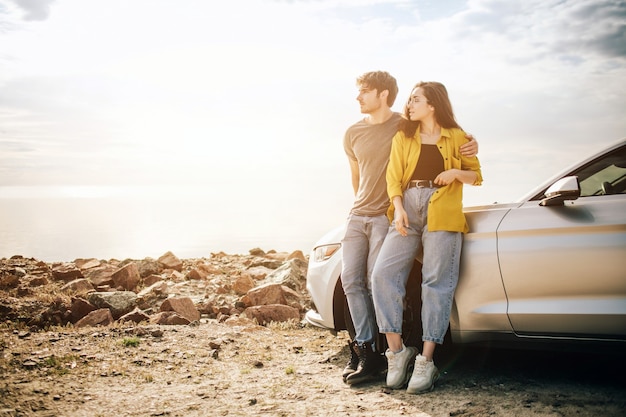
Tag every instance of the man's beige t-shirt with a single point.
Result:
(370, 145)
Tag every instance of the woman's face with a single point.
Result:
(418, 106)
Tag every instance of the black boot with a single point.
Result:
(371, 365)
(353, 362)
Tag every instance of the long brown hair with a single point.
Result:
(437, 96)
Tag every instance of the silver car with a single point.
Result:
(549, 268)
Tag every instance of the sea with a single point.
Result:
(61, 224)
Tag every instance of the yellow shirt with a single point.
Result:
(445, 210)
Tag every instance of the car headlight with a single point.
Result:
(324, 252)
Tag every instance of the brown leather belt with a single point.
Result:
(423, 184)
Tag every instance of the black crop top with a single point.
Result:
(429, 164)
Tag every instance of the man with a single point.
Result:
(367, 144)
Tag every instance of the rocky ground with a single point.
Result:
(148, 357)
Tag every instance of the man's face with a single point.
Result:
(369, 100)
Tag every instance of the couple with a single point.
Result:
(409, 169)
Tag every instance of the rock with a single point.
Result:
(241, 322)
(20, 272)
(196, 274)
(243, 284)
(136, 316)
(174, 275)
(271, 313)
(170, 261)
(220, 287)
(296, 255)
(209, 269)
(277, 256)
(150, 295)
(151, 279)
(80, 308)
(258, 273)
(206, 307)
(66, 272)
(100, 317)
(148, 267)
(101, 276)
(118, 302)
(265, 294)
(38, 282)
(78, 286)
(267, 263)
(159, 289)
(292, 274)
(271, 294)
(83, 264)
(184, 306)
(127, 277)
(9, 281)
(169, 318)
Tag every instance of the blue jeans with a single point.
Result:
(360, 245)
(440, 270)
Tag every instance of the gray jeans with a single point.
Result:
(360, 246)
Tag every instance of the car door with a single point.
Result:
(563, 267)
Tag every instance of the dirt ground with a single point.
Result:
(238, 368)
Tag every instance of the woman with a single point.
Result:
(425, 178)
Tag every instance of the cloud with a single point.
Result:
(35, 9)
(609, 38)
(550, 27)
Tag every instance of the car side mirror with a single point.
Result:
(567, 188)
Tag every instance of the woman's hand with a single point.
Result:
(446, 177)
(401, 220)
(461, 175)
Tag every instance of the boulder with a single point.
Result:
(258, 273)
(118, 302)
(66, 272)
(151, 279)
(196, 274)
(271, 294)
(136, 316)
(291, 274)
(127, 277)
(83, 264)
(78, 286)
(168, 318)
(80, 308)
(243, 284)
(148, 267)
(184, 306)
(100, 317)
(101, 275)
(271, 313)
(170, 261)
(150, 295)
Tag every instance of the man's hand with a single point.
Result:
(469, 149)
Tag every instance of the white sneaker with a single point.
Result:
(398, 366)
(424, 376)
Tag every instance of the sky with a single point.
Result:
(249, 99)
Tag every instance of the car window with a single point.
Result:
(604, 176)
